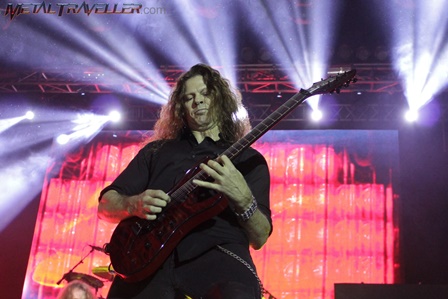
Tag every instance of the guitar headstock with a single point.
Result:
(333, 83)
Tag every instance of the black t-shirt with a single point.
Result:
(161, 166)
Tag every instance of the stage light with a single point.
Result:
(265, 55)
(345, 52)
(420, 53)
(302, 48)
(132, 69)
(88, 125)
(7, 123)
(363, 53)
(241, 114)
(247, 55)
(21, 178)
(114, 116)
(84, 127)
(316, 115)
(382, 53)
(411, 115)
(63, 139)
(210, 40)
(29, 115)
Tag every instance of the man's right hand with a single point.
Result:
(148, 204)
(114, 207)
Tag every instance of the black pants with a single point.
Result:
(213, 275)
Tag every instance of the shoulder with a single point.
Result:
(251, 160)
(253, 153)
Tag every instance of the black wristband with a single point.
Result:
(249, 212)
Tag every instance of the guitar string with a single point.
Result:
(182, 192)
(236, 148)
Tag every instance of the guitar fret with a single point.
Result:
(261, 128)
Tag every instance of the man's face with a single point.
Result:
(197, 103)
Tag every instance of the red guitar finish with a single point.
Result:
(138, 247)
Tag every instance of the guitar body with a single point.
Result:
(138, 247)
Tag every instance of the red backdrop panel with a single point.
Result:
(332, 205)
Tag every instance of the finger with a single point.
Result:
(224, 158)
(216, 166)
(154, 196)
(226, 162)
(153, 209)
(157, 194)
(153, 202)
(150, 217)
(209, 185)
(209, 170)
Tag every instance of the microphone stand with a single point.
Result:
(74, 267)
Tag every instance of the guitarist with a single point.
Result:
(212, 260)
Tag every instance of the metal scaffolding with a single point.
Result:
(256, 78)
(377, 85)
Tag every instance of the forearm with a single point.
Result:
(257, 229)
(255, 224)
(113, 207)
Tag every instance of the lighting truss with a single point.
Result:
(264, 82)
(337, 115)
(257, 78)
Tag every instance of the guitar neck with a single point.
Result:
(264, 126)
(258, 131)
(328, 85)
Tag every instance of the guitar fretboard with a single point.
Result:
(259, 130)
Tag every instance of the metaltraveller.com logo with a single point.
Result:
(59, 9)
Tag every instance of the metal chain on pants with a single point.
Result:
(248, 266)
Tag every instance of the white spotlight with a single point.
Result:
(411, 115)
(114, 116)
(316, 115)
(63, 139)
(29, 115)
(241, 114)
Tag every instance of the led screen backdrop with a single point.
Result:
(332, 198)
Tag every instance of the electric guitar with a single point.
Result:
(138, 247)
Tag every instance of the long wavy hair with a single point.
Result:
(225, 107)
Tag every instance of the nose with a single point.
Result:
(199, 99)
